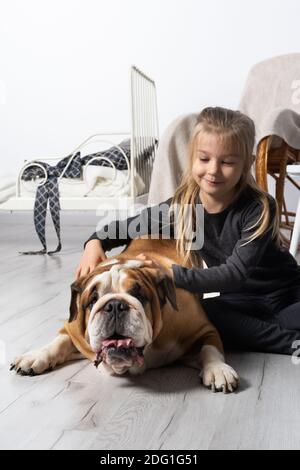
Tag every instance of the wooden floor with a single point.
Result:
(75, 407)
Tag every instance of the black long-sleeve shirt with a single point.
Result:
(259, 267)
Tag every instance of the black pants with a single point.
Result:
(269, 323)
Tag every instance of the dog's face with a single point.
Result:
(122, 304)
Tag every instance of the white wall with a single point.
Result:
(64, 64)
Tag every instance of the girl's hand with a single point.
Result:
(92, 256)
(151, 263)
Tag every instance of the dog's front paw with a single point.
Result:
(220, 377)
(32, 363)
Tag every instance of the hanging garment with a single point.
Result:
(49, 191)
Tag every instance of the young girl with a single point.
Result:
(258, 279)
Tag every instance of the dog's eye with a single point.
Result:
(90, 304)
(138, 293)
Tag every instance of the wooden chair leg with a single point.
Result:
(261, 165)
(264, 166)
(281, 179)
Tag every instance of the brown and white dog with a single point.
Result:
(130, 317)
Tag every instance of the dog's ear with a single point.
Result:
(76, 288)
(166, 290)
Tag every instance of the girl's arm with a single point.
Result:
(230, 276)
(120, 232)
(123, 231)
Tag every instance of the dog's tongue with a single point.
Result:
(118, 343)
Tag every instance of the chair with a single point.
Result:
(272, 99)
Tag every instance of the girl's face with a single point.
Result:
(215, 169)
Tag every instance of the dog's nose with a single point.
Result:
(116, 306)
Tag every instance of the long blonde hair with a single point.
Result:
(236, 131)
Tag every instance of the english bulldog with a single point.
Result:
(126, 316)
